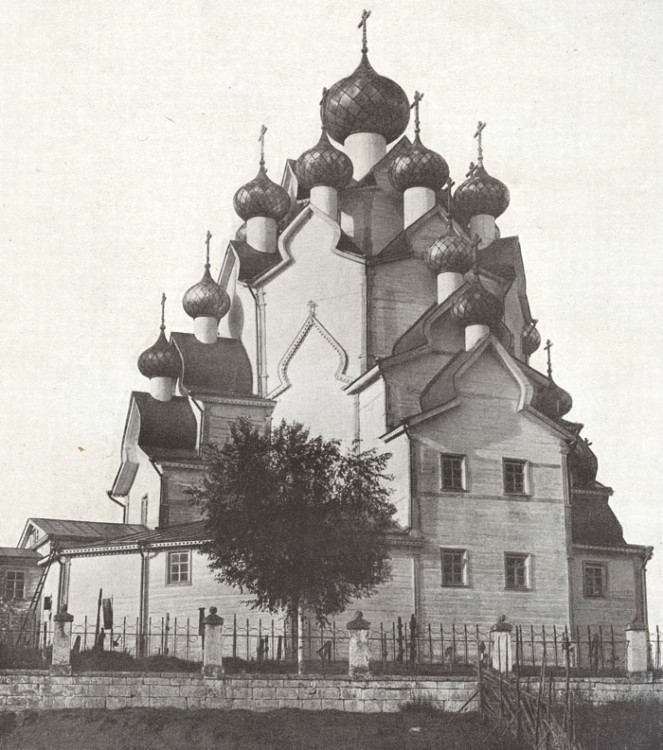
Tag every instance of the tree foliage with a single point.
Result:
(295, 521)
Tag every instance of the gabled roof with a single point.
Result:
(167, 428)
(67, 531)
(222, 368)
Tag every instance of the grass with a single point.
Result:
(118, 661)
(633, 725)
(285, 729)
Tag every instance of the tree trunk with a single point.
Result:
(300, 641)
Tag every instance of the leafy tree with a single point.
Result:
(295, 521)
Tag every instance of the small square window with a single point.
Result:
(454, 567)
(514, 476)
(179, 567)
(517, 571)
(453, 472)
(595, 579)
(14, 584)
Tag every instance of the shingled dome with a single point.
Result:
(477, 306)
(206, 299)
(161, 360)
(418, 166)
(261, 197)
(450, 253)
(531, 338)
(365, 102)
(480, 194)
(323, 165)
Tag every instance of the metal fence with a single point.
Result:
(403, 646)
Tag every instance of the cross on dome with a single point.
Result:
(261, 138)
(207, 241)
(478, 136)
(548, 347)
(363, 26)
(163, 311)
(415, 106)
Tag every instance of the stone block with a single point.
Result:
(390, 707)
(113, 703)
(97, 690)
(330, 704)
(167, 702)
(119, 691)
(372, 706)
(164, 691)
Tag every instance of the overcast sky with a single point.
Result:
(126, 127)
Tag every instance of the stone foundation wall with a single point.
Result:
(37, 690)
(21, 690)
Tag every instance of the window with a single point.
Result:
(517, 571)
(453, 472)
(514, 476)
(454, 567)
(144, 504)
(14, 584)
(179, 567)
(595, 579)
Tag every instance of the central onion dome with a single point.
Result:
(323, 165)
(365, 102)
(261, 197)
(450, 253)
(480, 194)
(162, 359)
(477, 306)
(530, 338)
(418, 166)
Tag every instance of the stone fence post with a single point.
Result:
(213, 644)
(501, 646)
(637, 649)
(359, 652)
(61, 660)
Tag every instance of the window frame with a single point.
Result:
(464, 571)
(586, 565)
(527, 571)
(463, 471)
(169, 567)
(5, 591)
(523, 464)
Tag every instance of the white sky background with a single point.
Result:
(126, 127)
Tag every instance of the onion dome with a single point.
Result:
(418, 166)
(261, 196)
(477, 306)
(481, 194)
(206, 298)
(162, 359)
(323, 165)
(583, 464)
(365, 102)
(554, 401)
(530, 338)
(450, 253)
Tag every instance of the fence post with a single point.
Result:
(359, 653)
(61, 661)
(636, 649)
(213, 644)
(501, 646)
